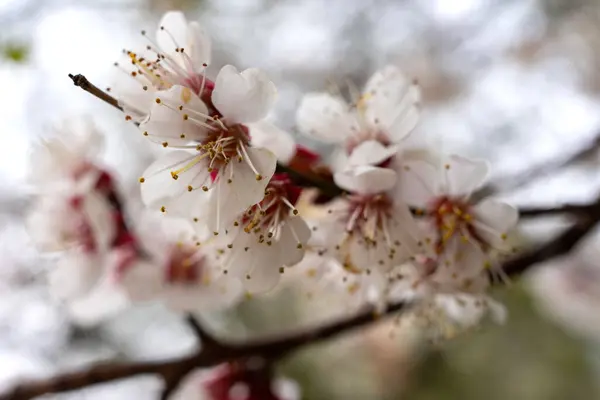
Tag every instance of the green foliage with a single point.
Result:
(528, 359)
(15, 52)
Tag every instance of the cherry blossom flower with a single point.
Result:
(66, 157)
(370, 130)
(266, 237)
(78, 213)
(220, 158)
(179, 55)
(463, 235)
(379, 231)
(179, 269)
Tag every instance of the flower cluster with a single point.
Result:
(229, 215)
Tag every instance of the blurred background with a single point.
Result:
(514, 81)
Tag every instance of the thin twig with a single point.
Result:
(205, 338)
(82, 82)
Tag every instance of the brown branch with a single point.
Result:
(214, 352)
(82, 82)
(97, 374)
(579, 210)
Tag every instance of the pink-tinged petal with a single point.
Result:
(464, 176)
(75, 275)
(243, 97)
(266, 135)
(159, 184)
(371, 152)
(198, 45)
(494, 220)
(391, 101)
(326, 118)
(168, 125)
(293, 240)
(238, 187)
(418, 183)
(366, 180)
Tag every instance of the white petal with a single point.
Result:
(172, 32)
(279, 142)
(366, 179)
(263, 276)
(159, 185)
(75, 275)
(294, 232)
(228, 200)
(48, 223)
(198, 45)
(243, 97)
(326, 118)
(418, 183)
(143, 281)
(371, 152)
(463, 176)
(494, 220)
(391, 102)
(104, 301)
(167, 124)
(339, 160)
(255, 264)
(128, 89)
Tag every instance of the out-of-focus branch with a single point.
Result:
(215, 352)
(565, 209)
(512, 183)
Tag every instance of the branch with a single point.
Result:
(205, 338)
(173, 371)
(82, 82)
(98, 374)
(579, 210)
(512, 183)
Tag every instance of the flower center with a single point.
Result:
(369, 223)
(452, 218)
(266, 217)
(185, 265)
(222, 145)
(368, 214)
